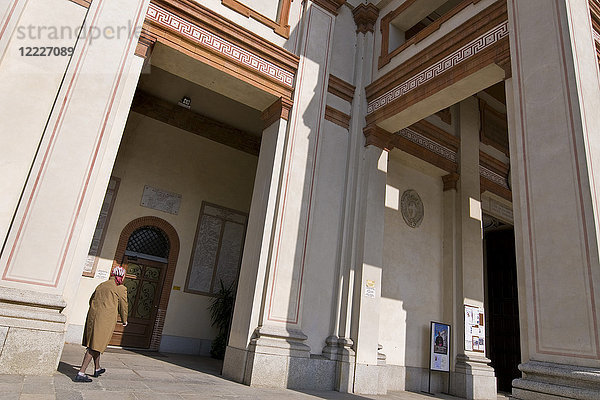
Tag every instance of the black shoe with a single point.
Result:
(99, 372)
(82, 378)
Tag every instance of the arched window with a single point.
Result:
(148, 242)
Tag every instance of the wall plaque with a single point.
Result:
(412, 208)
(161, 200)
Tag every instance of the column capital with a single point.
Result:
(330, 5)
(378, 137)
(280, 109)
(365, 16)
(450, 181)
(145, 44)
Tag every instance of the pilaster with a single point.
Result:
(267, 336)
(553, 101)
(54, 218)
(472, 377)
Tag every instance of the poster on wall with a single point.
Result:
(474, 329)
(440, 347)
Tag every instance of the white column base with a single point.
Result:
(340, 350)
(549, 381)
(32, 332)
(474, 379)
(278, 358)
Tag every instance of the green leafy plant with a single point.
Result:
(221, 312)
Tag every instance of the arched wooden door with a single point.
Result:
(145, 261)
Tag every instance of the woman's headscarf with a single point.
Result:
(119, 274)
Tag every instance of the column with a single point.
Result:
(261, 223)
(369, 375)
(48, 237)
(472, 377)
(272, 343)
(553, 100)
(340, 344)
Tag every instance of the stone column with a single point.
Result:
(553, 100)
(340, 345)
(47, 238)
(276, 354)
(261, 223)
(472, 377)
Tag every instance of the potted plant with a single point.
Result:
(221, 312)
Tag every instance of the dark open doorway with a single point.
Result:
(504, 349)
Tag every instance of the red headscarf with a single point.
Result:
(119, 274)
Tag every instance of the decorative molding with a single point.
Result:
(479, 42)
(340, 88)
(82, 3)
(421, 140)
(365, 17)
(330, 5)
(280, 26)
(192, 122)
(467, 51)
(218, 44)
(428, 144)
(280, 109)
(494, 176)
(493, 127)
(145, 44)
(387, 55)
(376, 136)
(450, 181)
(337, 117)
(206, 36)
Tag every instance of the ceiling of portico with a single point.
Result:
(202, 74)
(171, 88)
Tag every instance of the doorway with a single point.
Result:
(145, 261)
(502, 301)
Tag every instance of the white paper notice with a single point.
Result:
(101, 274)
(370, 289)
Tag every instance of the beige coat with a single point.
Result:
(106, 301)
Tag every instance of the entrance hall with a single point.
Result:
(176, 209)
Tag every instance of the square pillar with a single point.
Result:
(553, 100)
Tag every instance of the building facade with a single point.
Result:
(356, 171)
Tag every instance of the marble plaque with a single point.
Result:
(412, 209)
(161, 200)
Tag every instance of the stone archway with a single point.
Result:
(171, 264)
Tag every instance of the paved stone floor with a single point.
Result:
(148, 376)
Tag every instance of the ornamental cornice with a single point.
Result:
(365, 17)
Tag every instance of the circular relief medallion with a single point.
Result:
(412, 208)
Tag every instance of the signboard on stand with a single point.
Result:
(440, 347)
(474, 329)
(439, 350)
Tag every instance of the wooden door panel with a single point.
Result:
(144, 281)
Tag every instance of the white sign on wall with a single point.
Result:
(161, 200)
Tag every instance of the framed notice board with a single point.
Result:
(440, 347)
(474, 329)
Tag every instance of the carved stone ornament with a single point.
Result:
(412, 208)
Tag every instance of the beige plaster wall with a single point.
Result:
(156, 154)
(411, 292)
(35, 80)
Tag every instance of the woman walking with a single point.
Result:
(108, 300)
